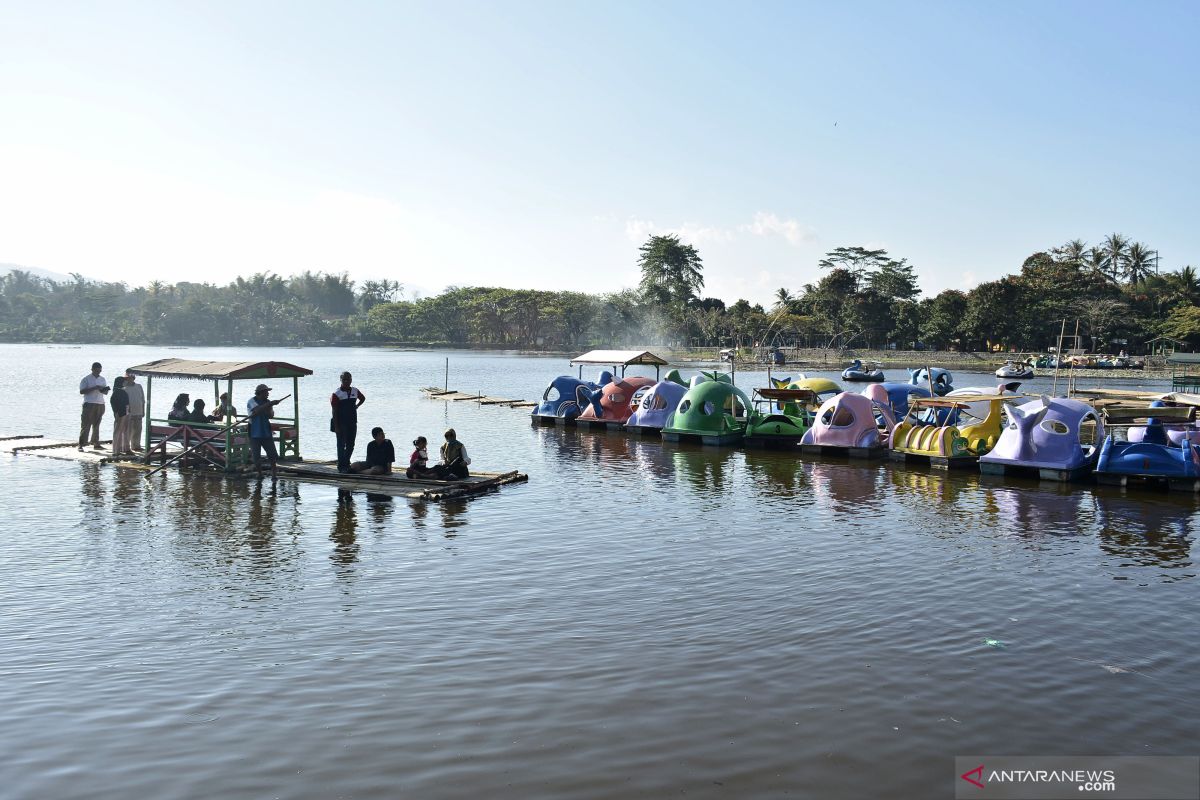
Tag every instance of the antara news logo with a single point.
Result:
(1087, 780)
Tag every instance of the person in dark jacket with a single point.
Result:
(345, 402)
(198, 413)
(454, 456)
(380, 456)
(122, 436)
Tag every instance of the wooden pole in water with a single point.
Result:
(1058, 356)
(446, 385)
(1071, 379)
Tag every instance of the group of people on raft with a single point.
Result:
(345, 402)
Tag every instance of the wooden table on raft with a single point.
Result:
(397, 484)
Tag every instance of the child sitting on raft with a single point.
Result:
(418, 463)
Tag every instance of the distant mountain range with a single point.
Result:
(57, 277)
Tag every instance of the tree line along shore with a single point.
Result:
(855, 299)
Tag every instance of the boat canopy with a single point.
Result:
(787, 395)
(219, 370)
(620, 358)
(1116, 414)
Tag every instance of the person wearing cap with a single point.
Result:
(137, 410)
(344, 424)
(259, 409)
(93, 387)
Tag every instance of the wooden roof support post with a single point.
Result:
(296, 413)
(146, 413)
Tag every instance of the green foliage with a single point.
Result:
(865, 298)
(672, 272)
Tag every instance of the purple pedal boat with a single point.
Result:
(1042, 438)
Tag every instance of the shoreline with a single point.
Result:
(830, 360)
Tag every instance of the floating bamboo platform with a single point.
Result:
(434, 393)
(60, 449)
(320, 472)
(397, 484)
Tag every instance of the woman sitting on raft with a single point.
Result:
(454, 456)
(180, 410)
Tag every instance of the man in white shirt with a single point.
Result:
(93, 388)
(137, 409)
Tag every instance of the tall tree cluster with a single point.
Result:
(855, 297)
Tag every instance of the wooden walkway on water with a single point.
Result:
(317, 472)
(434, 393)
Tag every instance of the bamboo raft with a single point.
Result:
(434, 393)
(318, 472)
(397, 484)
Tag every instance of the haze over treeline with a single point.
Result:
(853, 297)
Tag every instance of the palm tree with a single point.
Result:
(1139, 260)
(1116, 248)
(1097, 261)
(783, 299)
(1074, 252)
(1184, 285)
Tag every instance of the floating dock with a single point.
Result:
(397, 484)
(319, 472)
(453, 395)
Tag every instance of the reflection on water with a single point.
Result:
(345, 525)
(1026, 507)
(923, 487)
(1147, 532)
(711, 621)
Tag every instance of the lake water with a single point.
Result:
(638, 620)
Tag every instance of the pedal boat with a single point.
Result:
(559, 404)
(655, 404)
(779, 419)
(1154, 460)
(949, 444)
(943, 381)
(611, 405)
(1043, 439)
(712, 412)
(845, 424)
(858, 372)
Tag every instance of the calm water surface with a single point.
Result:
(638, 620)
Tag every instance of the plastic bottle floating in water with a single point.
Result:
(996, 643)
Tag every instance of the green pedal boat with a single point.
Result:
(713, 412)
(780, 418)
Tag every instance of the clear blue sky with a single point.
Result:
(537, 144)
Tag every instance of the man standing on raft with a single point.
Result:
(345, 402)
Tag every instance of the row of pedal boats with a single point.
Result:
(996, 428)
(858, 372)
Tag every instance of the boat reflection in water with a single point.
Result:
(1029, 508)
(1148, 530)
(776, 476)
(919, 487)
(851, 489)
